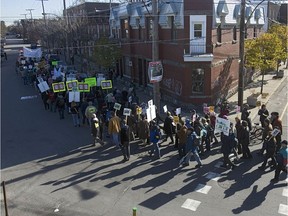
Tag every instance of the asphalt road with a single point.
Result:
(50, 168)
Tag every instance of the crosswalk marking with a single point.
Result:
(191, 204)
(201, 188)
(212, 176)
(285, 192)
(283, 209)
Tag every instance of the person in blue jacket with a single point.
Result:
(155, 135)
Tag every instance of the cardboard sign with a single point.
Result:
(150, 103)
(275, 132)
(58, 87)
(222, 125)
(117, 106)
(151, 113)
(178, 111)
(106, 84)
(43, 86)
(71, 84)
(83, 87)
(127, 112)
(74, 96)
(165, 109)
(91, 81)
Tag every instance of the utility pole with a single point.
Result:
(155, 50)
(24, 15)
(241, 55)
(43, 9)
(66, 32)
(30, 10)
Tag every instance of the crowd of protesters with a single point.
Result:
(191, 136)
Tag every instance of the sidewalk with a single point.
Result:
(270, 86)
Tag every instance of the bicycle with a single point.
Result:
(256, 134)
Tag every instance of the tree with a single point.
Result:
(106, 53)
(3, 29)
(263, 53)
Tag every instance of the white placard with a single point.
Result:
(117, 106)
(127, 112)
(275, 132)
(130, 99)
(178, 111)
(165, 109)
(151, 113)
(99, 79)
(222, 125)
(74, 96)
(238, 109)
(150, 103)
(40, 79)
(43, 86)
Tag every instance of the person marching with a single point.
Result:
(155, 136)
(263, 113)
(125, 140)
(74, 108)
(90, 110)
(114, 128)
(282, 161)
(95, 127)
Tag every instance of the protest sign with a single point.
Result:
(238, 109)
(74, 96)
(71, 84)
(176, 119)
(91, 81)
(117, 106)
(83, 87)
(138, 110)
(222, 125)
(178, 111)
(275, 132)
(151, 113)
(43, 86)
(150, 103)
(58, 87)
(127, 112)
(165, 109)
(106, 84)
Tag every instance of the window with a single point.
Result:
(140, 33)
(219, 34)
(125, 28)
(198, 81)
(197, 30)
(234, 33)
(173, 29)
(254, 32)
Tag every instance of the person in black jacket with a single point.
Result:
(270, 151)
(125, 140)
(169, 127)
(263, 113)
(245, 140)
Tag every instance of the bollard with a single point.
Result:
(134, 211)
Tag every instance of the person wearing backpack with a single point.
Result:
(125, 140)
(192, 148)
(155, 135)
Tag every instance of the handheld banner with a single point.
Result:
(165, 109)
(275, 132)
(71, 84)
(222, 125)
(127, 112)
(83, 87)
(99, 80)
(91, 81)
(151, 113)
(54, 63)
(74, 96)
(106, 84)
(43, 86)
(58, 87)
(117, 106)
(178, 111)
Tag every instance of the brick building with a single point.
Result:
(198, 45)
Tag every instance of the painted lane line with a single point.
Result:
(212, 176)
(285, 192)
(283, 209)
(201, 188)
(28, 97)
(191, 204)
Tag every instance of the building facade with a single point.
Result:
(198, 46)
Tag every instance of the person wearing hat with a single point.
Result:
(282, 161)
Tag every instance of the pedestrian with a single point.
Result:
(95, 130)
(143, 129)
(282, 161)
(263, 113)
(125, 140)
(245, 140)
(45, 98)
(224, 109)
(277, 124)
(90, 110)
(239, 129)
(192, 148)
(229, 143)
(169, 127)
(114, 128)
(83, 106)
(60, 104)
(182, 134)
(266, 130)
(270, 152)
(213, 123)
(155, 136)
(194, 116)
(74, 109)
(245, 116)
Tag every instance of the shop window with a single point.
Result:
(198, 81)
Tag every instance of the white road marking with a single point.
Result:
(201, 188)
(191, 204)
(283, 209)
(28, 97)
(285, 192)
(212, 176)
